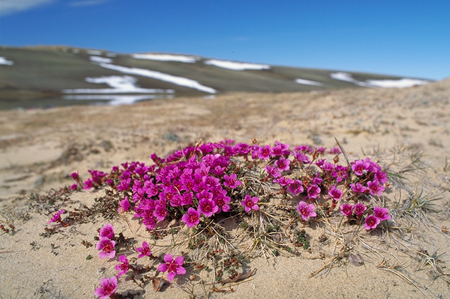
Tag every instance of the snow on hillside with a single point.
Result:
(118, 84)
(405, 82)
(4, 61)
(348, 78)
(100, 59)
(401, 83)
(166, 57)
(308, 82)
(116, 99)
(237, 66)
(159, 76)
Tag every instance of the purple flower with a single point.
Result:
(75, 176)
(174, 267)
(313, 191)
(306, 210)
(304, 149)
(107, 232)
(88, 184)
(381, 213)
(283, 181)
(296, 187)
(321, 150)
(346, 210)
(204, 195)
(222, 202)
(231, 181)
(282, 164)
(191, 218)
(106, 248)
(317, 180)
(123, 266)
(301, 157)
(358, 188)
(273, 171)
(74, 187)
(159, 213)
(327, 166)
(375, 188)
(335, 150)
(280, 149)
(144, 250)
(218, 170)
(359, 209)
(340, 173)
(107, 287)
(56, 217)
(335, 193)
(381, 177)
(176, 200)
(264, 152)
(149, 223)
(187, 198)
(360, 167)
(371, 222)
(249, 203)
(211, 182)
(124, 184)
(207, 207)
(124, 205)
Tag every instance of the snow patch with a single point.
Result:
(348, 78)
(115, 99)
(402, 83)
(308, 82)
(118, 84)
(4, 61)
(166, 57)
(100, 59)
(159, 76)
(237, 66)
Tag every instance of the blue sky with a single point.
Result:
(396, 37)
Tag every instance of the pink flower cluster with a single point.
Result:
(379, 214)
(96, 179)
(207, 179)
(106, 245)
(200, 181)
(357, 209)
(370, 173)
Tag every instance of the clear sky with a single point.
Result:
(397, 37)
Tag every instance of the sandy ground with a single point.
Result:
(40, 148)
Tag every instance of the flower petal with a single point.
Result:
(168, 258)
(163, 267)
(181, 270)
(179, 260)
(171, 276)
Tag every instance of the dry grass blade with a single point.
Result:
(329, 263)
(242, 276)
(385, 267)
(343, 151)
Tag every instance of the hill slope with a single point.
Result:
(80, 73)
